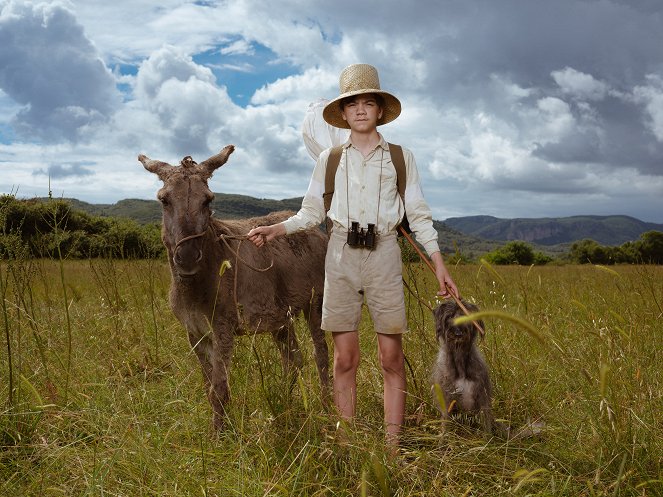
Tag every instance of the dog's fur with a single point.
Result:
(460, 370)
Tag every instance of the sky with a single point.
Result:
(512, 108)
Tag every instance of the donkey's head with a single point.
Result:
(185, 198)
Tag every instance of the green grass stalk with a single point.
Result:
(4, 276)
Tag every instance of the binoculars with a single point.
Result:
(359, 238)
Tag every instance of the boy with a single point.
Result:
(365, 192)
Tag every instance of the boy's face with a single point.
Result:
(362, 113)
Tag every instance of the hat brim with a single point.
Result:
(390, 111)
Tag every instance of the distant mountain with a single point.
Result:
(606, 230)
(143, 211)
(228, 206)
(452, 241)
(471, 235)
(225, 206)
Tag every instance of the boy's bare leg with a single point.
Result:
(346, 363)
(392, 361)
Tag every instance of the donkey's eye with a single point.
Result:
(164, 201)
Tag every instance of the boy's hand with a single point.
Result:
(263, 234)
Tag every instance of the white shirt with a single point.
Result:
(365, 191)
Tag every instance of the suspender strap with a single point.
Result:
(397, 159)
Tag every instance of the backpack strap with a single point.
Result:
(330, 175)
(397, 159)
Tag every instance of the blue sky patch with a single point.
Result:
(243, 68)
(125, 69)
(124, 87)
(7, 135)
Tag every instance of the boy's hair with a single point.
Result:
(345, 101)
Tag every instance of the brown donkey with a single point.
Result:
(262, 290)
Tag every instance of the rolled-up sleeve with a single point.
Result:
(419, 215)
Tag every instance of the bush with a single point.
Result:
(517, 252)
(588, 252)
(648, 249)
(53, 229)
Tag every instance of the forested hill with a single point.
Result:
(228, 206)
(225, 206)
(473, 233)
(606, 230)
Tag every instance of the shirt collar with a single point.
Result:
(382, 143)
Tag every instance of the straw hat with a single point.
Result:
(358, 79)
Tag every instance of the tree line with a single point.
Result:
(648, 249)
(36, 228)
(53, 229)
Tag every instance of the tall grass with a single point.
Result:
(574, 348)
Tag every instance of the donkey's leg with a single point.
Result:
(219, 392)
(203, 349)
(286, 341)
(314, 317)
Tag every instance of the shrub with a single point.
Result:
(517, 252)
(52, 229)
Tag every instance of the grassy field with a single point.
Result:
(102, 396)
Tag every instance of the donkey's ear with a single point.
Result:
(161, 169)
(207, 167)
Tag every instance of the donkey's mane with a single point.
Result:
(230, 226)
(242, 226)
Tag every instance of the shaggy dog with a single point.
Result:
(460, 370)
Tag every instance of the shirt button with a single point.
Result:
(363, 187)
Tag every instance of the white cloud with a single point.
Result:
(580, 85)
(651, 96)
(168, 63)
(129, 30)
(510, 91)
(496, 116)
(555, 120)
(312, 84)
(50, 68)
(237, 47)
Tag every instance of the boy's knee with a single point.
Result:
(346, 363)
(392, 361)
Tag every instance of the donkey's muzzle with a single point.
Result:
(187, 258)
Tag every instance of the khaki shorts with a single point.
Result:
(353, 274)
